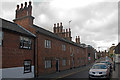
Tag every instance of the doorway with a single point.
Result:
(57, 65)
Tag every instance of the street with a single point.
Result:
(81, 74)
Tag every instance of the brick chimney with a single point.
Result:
(54, 28)
(57, 27)
(77, 39)
(24, 16)
(61, 32)
(61, 27)
(70, 34)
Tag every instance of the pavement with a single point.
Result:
(116, 72)
(65, 73)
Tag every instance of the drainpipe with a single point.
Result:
(37, 54)
(34, 57)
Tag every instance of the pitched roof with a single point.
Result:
(48, 33)
(15, 27)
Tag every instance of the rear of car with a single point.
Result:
(99, 70)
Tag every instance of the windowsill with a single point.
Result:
(48, 68)
(25, 48)
(27, 72)
(47, 48)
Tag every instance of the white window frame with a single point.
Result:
(78, 60)
(27, 66)
(64, 62)
(25, 42)
(48, 64)
(63, 47)
(77, 50)
(70, 49)
(1, 37)
(47, 43)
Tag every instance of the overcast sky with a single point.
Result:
(95, 21)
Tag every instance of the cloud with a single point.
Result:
(95, 21)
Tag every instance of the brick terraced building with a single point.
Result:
(47, 51)
(17, 51)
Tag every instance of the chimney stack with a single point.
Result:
(24, 16)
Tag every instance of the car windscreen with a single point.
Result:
(108, 63)
(99, 67)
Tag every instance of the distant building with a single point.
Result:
(111, 49)
(91, 54)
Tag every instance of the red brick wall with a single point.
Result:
(55, 52)
(26, 22)
(12, 55)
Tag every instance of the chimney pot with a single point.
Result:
(76, 39)
(63, 30)
(54, 25)
(66, 30)
(17, 7)
(30, 3)
(61, 24)
(69, 29)
(57, 24)
(25, 4)
(21, 5)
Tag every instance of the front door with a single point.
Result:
(57, 65)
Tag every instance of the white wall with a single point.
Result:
(17, 72)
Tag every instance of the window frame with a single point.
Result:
(1, 40)
(63, 47)
(30, 66)
(47, 43)
(48, 64)
(64, 62)
(70, 49)
(77, 50)
(25, 42)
